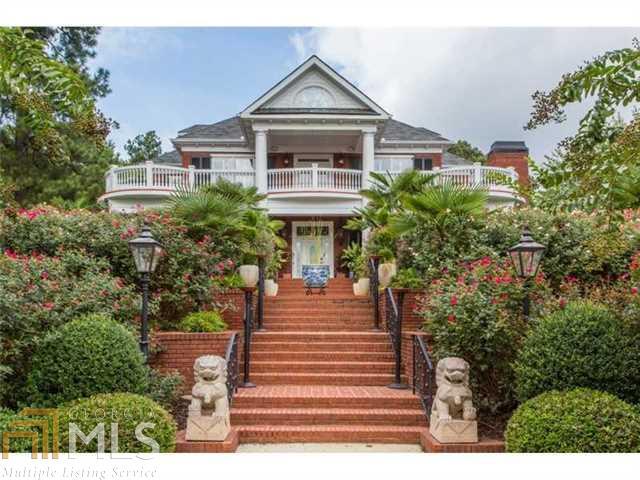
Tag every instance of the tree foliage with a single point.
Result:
(50, 127)
(599, 166)
(464, 149)
(143, 147)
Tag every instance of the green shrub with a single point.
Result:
(16, 444)
(128, 411)
(165, 389)
(40, 294)
(208, 321)
(90, 355)
(407, 278)
(575, 421)
(583, 345)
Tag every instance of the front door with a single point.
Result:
(312, 245)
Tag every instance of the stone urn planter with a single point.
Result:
(386, 272)
(270, 288)
(361, 287)
(249, 274)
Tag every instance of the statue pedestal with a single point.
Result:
(454, 431)
(211, 428)
(229, 445)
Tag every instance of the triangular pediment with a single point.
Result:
(314, 88)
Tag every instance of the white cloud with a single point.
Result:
(468, 83)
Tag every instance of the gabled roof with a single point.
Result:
(228, 129)
(395, 131)
(368, 106)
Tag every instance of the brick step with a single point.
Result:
(323, 396)
(322, 367)
(329, 356)
(327, 416)
(352, 337)
(316, 309)
(317, 299)
(319, 316)
(329, 434)
(315, 326)
(281, 346)
(327, 379)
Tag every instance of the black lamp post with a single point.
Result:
(526, 256)
(146, 253)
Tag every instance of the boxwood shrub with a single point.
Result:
(583, 345)
(92, 354)
(208, 321)
(128, 411)
(575, 421)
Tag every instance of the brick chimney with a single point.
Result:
(511, 154)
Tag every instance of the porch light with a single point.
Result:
(146, 253)
(526, 255)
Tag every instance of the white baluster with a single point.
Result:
(191, 179)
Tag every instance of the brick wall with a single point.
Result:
(179, 350)
(411, 320)
(233, 307)
(436, 158)
(517, 160)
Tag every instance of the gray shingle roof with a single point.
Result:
(399, 131)
(228, 128)
(453, 160)
(169, 158)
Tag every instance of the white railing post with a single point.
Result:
(192, 177)
(514, 174)
(314, 176)
(436, 171)
(149, 173)
(477, 173)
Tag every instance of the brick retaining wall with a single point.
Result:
(179, 350)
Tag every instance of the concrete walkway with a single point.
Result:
(329, 448)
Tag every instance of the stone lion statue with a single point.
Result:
(209, 417)
(453, 399)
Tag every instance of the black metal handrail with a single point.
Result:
(231, 357)
(394, 328)
(374, 290)
(423, 374)
(248, 333)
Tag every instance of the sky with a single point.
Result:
(464, 83)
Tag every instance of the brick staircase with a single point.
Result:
(322, 372)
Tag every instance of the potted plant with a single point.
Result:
(273, 267)
(361, 287)
(350, 257)
(387, 268)
(249, 270)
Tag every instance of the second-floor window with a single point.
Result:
(393, 164)
(422, 164)
(201, 163)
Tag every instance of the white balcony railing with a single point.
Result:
(150, 177)
(491, 178)
(337, 180)
(158, 177)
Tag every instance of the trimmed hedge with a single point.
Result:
(577, 421)
(207, 321)
(16, 445)
(583, 345)
(126, 410)
(90, 355)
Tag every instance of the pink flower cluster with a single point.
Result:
(31, 214)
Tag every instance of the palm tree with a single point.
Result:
(215, 210)
(439, 206)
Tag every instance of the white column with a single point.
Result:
(261, 160)
(368, 137)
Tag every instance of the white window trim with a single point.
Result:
(312, 156)
(294, 238)
(234, 156)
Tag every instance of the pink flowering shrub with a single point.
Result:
(40, 293)
(477, 315)
(186, 276)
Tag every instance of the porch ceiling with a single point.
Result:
(291, 141)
